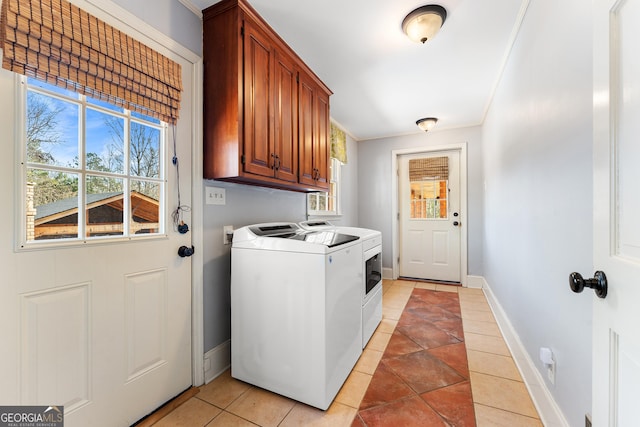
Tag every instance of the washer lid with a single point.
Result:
(328, 238)
(274, 229)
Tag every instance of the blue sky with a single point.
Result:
(99, 134)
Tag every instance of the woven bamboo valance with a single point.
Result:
(430, 168)
(55, 41)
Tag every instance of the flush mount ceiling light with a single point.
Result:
(427, 123)
(424, 22)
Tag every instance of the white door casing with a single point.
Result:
(103, 329)
(430, 248)
(616, 342)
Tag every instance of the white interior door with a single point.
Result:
(430, 217)
(616, 342)
(103, 329)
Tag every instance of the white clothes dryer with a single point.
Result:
(372, 272)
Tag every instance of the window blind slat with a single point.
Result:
(430, 168)
(58, 42)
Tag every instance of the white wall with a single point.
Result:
(375, 192)
(170, 17)
(537, 166)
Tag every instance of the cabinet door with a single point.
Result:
(321, 148)
(285, 144)
(305, 131)
(314, 133)
(258, 67)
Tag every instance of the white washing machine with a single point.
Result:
(296, 326)
(371, 286)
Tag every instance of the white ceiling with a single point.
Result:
(383, 82)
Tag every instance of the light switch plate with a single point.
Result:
(215, 196)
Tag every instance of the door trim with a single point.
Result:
(395, 232)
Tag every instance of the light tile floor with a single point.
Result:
(499, 394)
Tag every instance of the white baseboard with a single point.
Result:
(387, 273)
(476, 282)
(216, 361)
(548, 409)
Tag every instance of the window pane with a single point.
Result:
(51, 205)
(322, 201)
(105, 142)
(428, 199)
(313, 201)
(145, 151)
(145, 208)
(104, 104)
(149, 119)
(52, 130)
(104, 206)
(39, 83)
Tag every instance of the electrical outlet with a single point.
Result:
(551, 373)
(587, 420)
(546, 357)
(227, 234)
(215, 196)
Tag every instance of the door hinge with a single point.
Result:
(242, 31)
(398, 260)
(398, 216)
(242, 159)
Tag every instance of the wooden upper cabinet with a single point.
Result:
(258, 126)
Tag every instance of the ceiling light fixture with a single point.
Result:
(424, 22)
(427, 123)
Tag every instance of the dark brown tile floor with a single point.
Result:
(423, 376)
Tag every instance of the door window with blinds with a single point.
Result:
(96, 107)
(429, 178)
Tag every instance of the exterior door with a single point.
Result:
(102, 329)
(430, 217)
(616, 342)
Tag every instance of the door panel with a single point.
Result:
(258, 68)
(429, 210)
(306, 108)
(616, 345)
(56, 320)
(321, 143)
(286, 122)
(147, 315)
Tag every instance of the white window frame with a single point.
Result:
(81, 100)
(334, 182)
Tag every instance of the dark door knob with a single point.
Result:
(456, 223)
(184, 251)
(598, 283)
